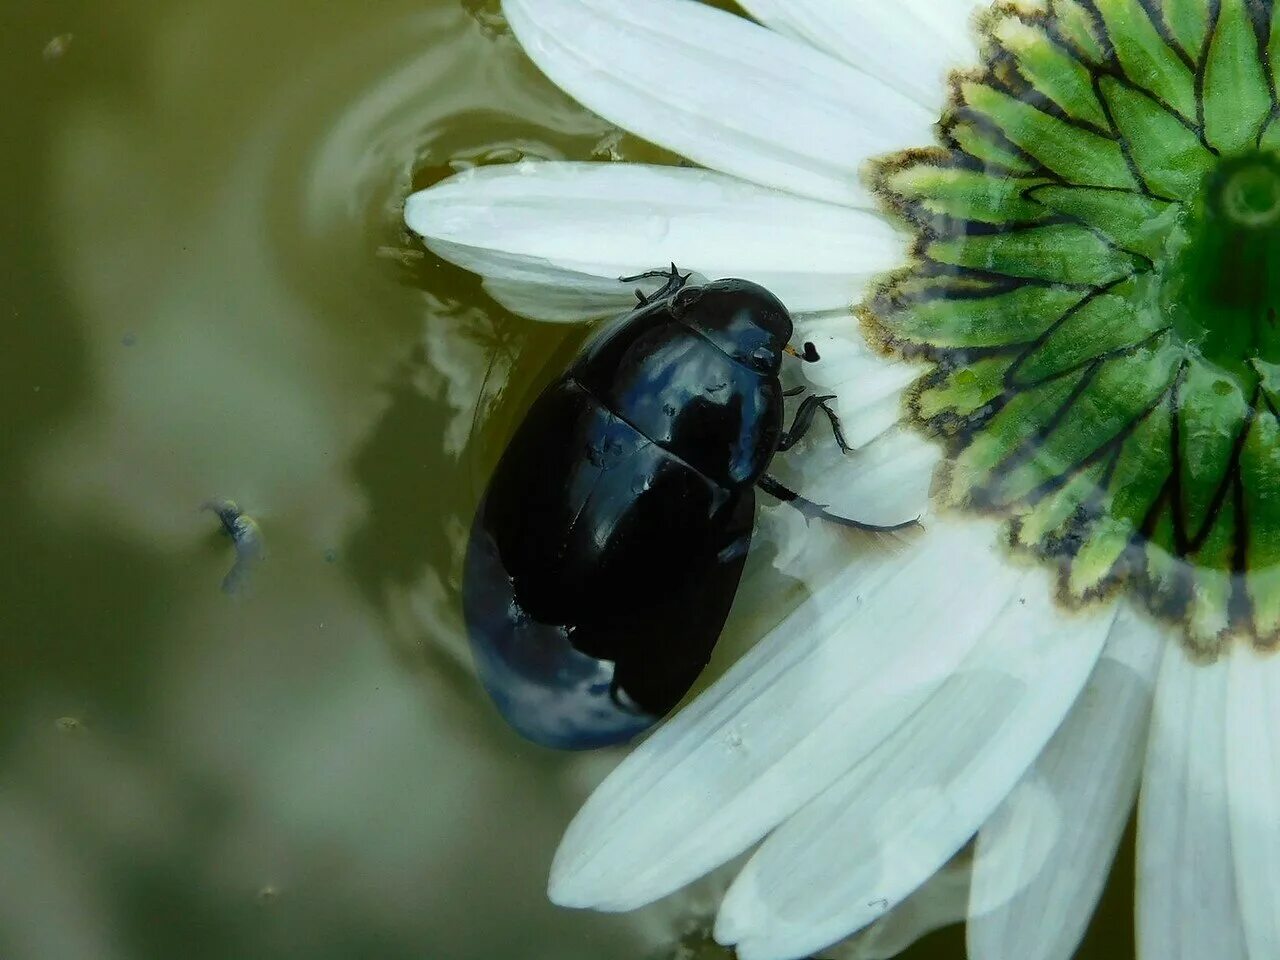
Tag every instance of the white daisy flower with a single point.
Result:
(1068, 288)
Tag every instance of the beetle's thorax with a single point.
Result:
(680, 388)
(743, 319)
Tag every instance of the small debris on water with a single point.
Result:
(129, 339)
(404, 255)
(331, 556)
(56, 48)
(68, 725)
(609, 147)
(268, 895)
(488, 14)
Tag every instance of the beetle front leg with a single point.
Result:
(804, 420)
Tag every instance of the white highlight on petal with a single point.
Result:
(911, 46)
(821, 691)
(1187, 905)
(1042, 860)
(553, 238)
(885, 827)
(722, 91)
(1253, 786)
(872, 421)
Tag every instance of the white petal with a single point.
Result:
(910, 46)
(819, 692)
(873, 421)
(941, 902)
(953, 22)
(884, 828)
(1253, 783)
(867, 386)
(849, 366)
(1187, 904)
(573, 229)
(722, 91)
(1041, 862)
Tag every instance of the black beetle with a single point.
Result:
(608, 547)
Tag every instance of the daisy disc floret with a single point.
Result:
(1096, 280)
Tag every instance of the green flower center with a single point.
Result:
(1244, 196)
(1221, 284)
(1096, 282)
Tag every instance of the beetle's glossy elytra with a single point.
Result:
(608, 547)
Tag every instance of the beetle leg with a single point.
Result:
(804, 420)
(670, 275)
(816, 511)
(800, 424)
(793, 392)
(675, 282)
(837, 427)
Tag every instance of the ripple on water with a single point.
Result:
(227, 180)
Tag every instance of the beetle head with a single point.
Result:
(742, 318)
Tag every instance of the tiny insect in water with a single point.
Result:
(609, 544)
(246, 536)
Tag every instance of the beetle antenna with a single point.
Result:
(809, 355)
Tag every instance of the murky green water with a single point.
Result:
(207, 293)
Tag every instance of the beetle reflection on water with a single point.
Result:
(608, 546)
